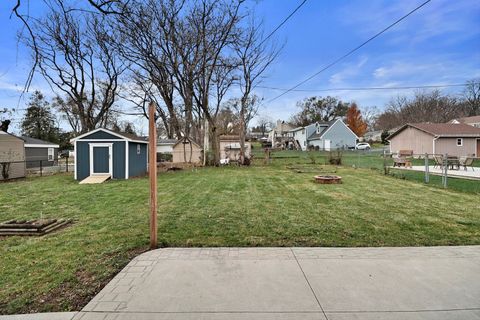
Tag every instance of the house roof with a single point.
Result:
(32, 142)
(442, 129)
(325, 125)
(124, 135)
(474, 119)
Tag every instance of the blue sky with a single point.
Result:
(439, 44)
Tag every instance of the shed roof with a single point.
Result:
(188, 140)
(229, 137)
(166, 141)
(123, 135)
(442, 129)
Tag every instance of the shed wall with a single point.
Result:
(137, 163)
(449, 146)
(178, 153)
(412, 139)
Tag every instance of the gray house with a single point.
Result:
(334, 134)
(104, 152)
(40, 153)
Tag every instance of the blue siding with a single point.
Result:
(99, 135)
(83, 159)
(137, 163)
(340, 136)
(119, 160)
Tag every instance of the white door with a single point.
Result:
(326, 145)
(101, 159)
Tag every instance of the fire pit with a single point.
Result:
(324, 179)
(31, 227)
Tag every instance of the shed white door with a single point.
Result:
(101, 159)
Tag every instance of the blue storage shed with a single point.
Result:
(104, 152)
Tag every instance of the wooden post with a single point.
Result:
(427, 168)
(152, 172)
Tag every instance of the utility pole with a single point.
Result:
(152, 172)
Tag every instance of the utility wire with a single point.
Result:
(369, 88)
(351, 51)
(283, 22)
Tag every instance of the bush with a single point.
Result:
(335, 157)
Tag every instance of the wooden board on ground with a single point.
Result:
(95, 179)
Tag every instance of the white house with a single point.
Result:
(165, 145)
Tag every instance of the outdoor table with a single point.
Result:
(453, 162)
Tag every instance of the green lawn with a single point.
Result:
(276, 205)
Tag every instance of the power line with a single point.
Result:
(351, 51)
(283, 22)
(369, 88)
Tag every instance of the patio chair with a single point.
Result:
(466, 162)
(438, 161)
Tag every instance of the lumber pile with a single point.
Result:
(37, 227)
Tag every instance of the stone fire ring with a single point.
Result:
(328, 179)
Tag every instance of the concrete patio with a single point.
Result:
(470, 173)
(294, 283)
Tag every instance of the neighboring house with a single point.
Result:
(165, 145)
(437, 138)
(375, 136)
(104, 152)
(471, 121)
(40, 153)
(230, 147)
(330, 135)
(187, 151)
(279, 135)
(299, 136)
(12, 156)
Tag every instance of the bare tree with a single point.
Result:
(76, 57)
(471, 95)
(254, 58)
(215, 24)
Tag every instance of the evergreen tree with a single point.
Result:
(39, 122)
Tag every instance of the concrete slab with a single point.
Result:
(41, 316)
(426, 315)
(294, 283)
(219, 286)
(203, 316)
(399, 285)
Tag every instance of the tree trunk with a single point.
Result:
(242, 131)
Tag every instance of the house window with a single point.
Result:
(459, 142)
(138, 149)
(50, 154)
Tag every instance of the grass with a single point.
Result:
(230, 206)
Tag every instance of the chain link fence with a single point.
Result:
(20, 169)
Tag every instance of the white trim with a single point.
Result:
(29, 145)
(75, 160)
(434, 142)
(52, 154)
(107, 131)
(110, 157)
(126, 159)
